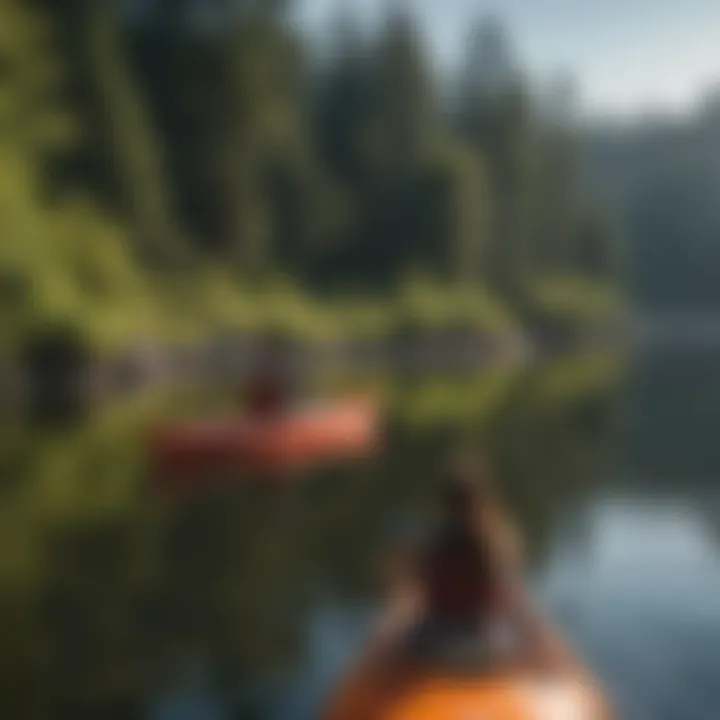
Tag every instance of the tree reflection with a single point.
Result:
(108, 592)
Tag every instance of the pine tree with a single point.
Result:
(494, 114)
(32, 133)
(342, 104)
(122, 150)
(61, 260)
(404, 106)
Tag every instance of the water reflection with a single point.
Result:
(639, 601)
(118, 604)
(647, 618)
(195, 696)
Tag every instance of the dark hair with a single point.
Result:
(271, 350)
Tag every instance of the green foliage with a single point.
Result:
(574, 297)
(459, 401)
(568, 380)
(425, 303)
(85, 532)
(158, 175)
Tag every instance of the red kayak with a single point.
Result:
(300, 437)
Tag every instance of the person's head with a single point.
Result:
(271, 351)
(467, 488)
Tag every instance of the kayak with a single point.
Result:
(513, 697)
(465, 686)
(298, 437)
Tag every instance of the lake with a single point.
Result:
(236, 602)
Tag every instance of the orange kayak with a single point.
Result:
(506, 698)
(383, 690)
(307, 435)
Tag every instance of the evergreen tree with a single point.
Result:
(61, 260)
(202, 130)
(494, 114)
(342, 104)
(404, 106)
(122, 153)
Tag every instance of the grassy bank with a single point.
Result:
(194, 310)
(211, 305)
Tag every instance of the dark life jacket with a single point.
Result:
(460, 581)
(267, 394)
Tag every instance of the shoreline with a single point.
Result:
(74, 378)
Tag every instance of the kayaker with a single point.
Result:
(463, 586)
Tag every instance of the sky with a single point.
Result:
(628, 56)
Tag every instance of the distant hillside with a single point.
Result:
(662, 178)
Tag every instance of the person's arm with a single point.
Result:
(509, 545)
(404, 604)
(506, 548)
(545, 648)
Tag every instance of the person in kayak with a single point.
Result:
(463, 586)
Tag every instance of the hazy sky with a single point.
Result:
(626, 54)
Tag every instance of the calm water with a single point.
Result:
(235, 603)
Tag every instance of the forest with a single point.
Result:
(174, 170)
(660, 175)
